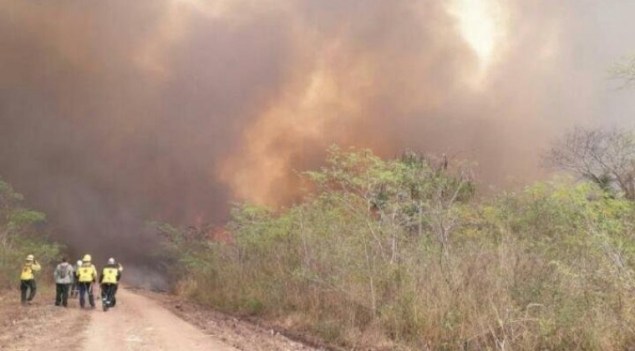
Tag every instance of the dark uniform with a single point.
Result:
(109, 279)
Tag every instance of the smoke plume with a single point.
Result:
(117, 112)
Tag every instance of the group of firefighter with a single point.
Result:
(76, 281)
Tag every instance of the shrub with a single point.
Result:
(399, 254)
(19, 236)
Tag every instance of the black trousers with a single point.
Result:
(86, 289)
(30, 286)
(114, 295)
(61, 294)
(108, 292)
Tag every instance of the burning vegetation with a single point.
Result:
(114, 114)
(400, 255)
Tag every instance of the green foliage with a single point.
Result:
(19, 236)
(398, 253)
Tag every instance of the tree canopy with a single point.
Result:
(605, 157)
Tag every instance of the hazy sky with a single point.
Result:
(114, 113)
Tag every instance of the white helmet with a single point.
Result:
(111, 261)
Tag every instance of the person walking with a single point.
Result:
(109, 279)
(86, 276)
(75, 284)
(63, 276)
(27, 279)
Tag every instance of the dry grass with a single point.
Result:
(549, 268)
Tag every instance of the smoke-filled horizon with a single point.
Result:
(115, 113)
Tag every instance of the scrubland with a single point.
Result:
(403, 254)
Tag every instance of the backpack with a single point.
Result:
(63, 271)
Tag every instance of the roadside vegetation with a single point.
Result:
(20, 235)
(401, 254)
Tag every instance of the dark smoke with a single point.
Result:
(115, 113)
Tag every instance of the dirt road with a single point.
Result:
(137, 323)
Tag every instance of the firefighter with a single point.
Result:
(109, 279)
(75, 285)
(63, 276)
(86, 275)
(27, 279)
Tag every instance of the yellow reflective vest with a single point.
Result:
(86, 273)
(28, 269)
(110, 274)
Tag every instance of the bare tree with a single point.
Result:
(605, 157)
(625, 71)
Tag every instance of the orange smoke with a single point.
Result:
(114, 113)
(299, 120)
(334, 90)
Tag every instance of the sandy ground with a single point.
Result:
(244, 335)
(41, 325)
(139, 322)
